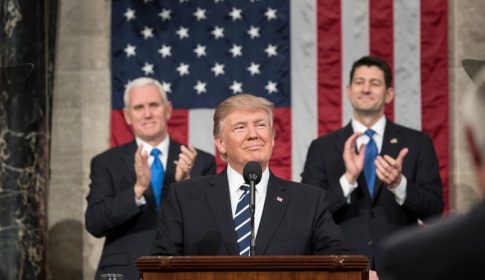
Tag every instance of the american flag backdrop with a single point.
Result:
(296, 53)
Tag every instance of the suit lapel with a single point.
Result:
(390, 146)
(173, 152)
(220, 203)
(343, 135)
(275, 205)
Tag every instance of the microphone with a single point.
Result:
(252, 175)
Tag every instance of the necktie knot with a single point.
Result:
(369, 132)
(244, 188)
(155, 152)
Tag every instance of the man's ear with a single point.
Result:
(389, 95)
(472, 147)
(220, 145)
(168, 109)
(126, 114)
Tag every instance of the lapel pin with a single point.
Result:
(279, 199)
(394, 141)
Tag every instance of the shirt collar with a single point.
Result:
(378, 127)
(163, 146)
(236, 180)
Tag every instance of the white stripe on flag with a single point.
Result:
(200, 129)
(355, 44)
(304, 101)
(407, 78)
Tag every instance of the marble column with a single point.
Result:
(26, 48)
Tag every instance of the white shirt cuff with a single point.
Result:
(347, 187)
(400, 191)
(140, 201)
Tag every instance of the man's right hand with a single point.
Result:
(354, 162)
(142, 171)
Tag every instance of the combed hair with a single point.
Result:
(378, 62)
(139, 82)
(243, 101)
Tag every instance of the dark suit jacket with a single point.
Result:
(113, 213)
(196, 219)
(367, 221)
(452, 250)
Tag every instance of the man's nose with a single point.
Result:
(147, 112)
(252, 132)
(366, 87)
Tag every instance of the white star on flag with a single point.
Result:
(183, 69)
(148, 68)
(235, 14)
(167, 87)
(165, 14)
(218, 32)
(200, 87)
(200, 14)
(200, 50)
(253, 69)
(270, 14)
(218, 69)
(165, 51)
(130, 50)
(236, 50)
(271, 50)
(253, 32)
(129, 14)
(271, 87)
(236, 87)
(147, 32)
(182, 32)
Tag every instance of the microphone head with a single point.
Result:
(252, 172)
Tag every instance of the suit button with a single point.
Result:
(370, 243)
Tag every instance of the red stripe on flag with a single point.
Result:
(120, 132)
(329, 71)
(178, 126)
(381, 32)
(281, 159)
(434, 82)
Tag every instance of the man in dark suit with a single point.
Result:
(122, 205)
(455, 248)
(379, 176)
(200, 216)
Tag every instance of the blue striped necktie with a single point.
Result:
(242, 221)
(157, 175)
(369, 161)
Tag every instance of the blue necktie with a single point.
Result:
(242, 221)
(156, 176)
(369, 161)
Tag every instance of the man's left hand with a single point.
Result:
(185, 162)
(389, 169)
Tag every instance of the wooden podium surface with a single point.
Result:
(254, 268)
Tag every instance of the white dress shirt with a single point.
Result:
(347, 188)
(236, 180)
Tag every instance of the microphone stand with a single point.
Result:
(252, 206)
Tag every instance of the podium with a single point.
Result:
(254, 268)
